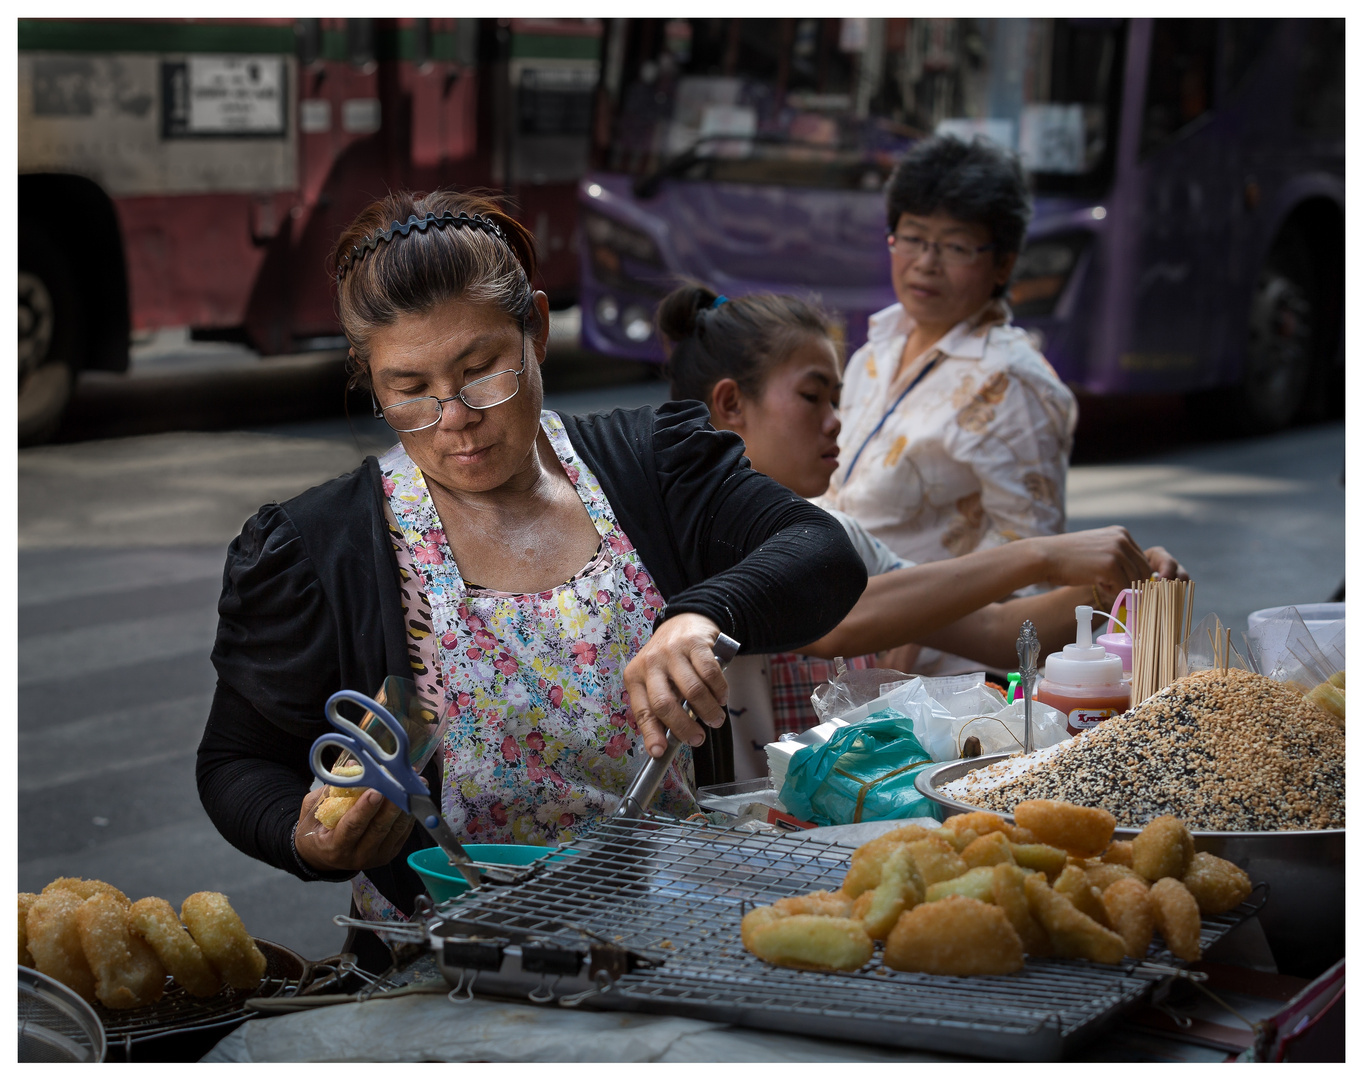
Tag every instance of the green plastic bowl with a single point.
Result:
(444, 882)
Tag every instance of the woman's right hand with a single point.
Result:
(370, 833)
(1107, 558)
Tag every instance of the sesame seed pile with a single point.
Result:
(1223, 751)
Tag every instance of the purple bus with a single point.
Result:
(1188, 174)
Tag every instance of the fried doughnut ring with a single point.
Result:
(219, 932)
(1007, 889)
(1177, 917)
(55, 943)
(84, 888)
(1072, 932)
(954, 936)
(155, 921)
(25, 902)
(1216, 884)
(809, 942)
(1163, 849)
(834, 904)
(879, 908)
(1130, 914)
(1082, 831)
(127, 972)
(988, 850)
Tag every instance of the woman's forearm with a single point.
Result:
(918, 601)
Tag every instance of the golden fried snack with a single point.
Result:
(975, 883)
(865, 865)
(55, 943)
(127, 972)
(957, 839)
(988, 850)
(1081, 830)
(954, 936)
(1007, 889)
(25, 902)
(983, 822)
(1072, 933)
(1129, 909)
(1075, 886)
(219, 932)
(1102, 875)
(879, 908)
(811, 942)
(933, 861)
(155, 922)
(1120, 853)
(1163, 849)
(833, 904)
(1177, 917)
(84, 888)
(1216, 884)
(1041, 857)
(332, 809)
(1330, 699)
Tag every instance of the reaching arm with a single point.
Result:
(948, 604)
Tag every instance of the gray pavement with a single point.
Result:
(121, 545)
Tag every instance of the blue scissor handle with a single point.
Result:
(388, 772)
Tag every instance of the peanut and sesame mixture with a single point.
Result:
(1223, 751)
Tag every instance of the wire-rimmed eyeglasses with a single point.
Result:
(948, 252)
(421, 413)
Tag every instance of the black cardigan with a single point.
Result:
(310, 605)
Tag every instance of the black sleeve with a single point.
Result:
(277, 643)
(252, 776)
(776, 571)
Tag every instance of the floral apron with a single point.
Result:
(540, 742)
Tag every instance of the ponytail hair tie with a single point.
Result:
(718, 301)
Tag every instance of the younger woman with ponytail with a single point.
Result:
(768, 369)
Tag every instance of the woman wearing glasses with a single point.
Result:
(556, 584)
(956, 430)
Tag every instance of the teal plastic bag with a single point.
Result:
(866, 772)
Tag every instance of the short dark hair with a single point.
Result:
(741, 339)
(975, 181)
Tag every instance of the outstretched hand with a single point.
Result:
(678, 663)
(1107, 558)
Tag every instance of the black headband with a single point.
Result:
(459, 221)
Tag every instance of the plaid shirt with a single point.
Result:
(794, 678)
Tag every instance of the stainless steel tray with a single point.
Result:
(1304, 917)
(645, 916)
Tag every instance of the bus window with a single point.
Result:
(1244, 40)
(1320, 89)
(1179, 78)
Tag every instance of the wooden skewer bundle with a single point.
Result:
(1160, 625)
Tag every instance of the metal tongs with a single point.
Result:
(642, 789)
(1027, 647)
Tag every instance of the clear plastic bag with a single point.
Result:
(1284, 649)
(851, 689)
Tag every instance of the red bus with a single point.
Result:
(195, 172)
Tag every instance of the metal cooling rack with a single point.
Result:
(675, 892)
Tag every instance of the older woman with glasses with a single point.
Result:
(553, 585)
(956, 430)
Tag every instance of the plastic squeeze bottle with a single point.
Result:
(1084, 681)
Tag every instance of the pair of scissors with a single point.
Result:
(389, 772)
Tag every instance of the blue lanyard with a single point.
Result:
(887, 415)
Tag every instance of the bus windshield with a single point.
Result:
(835, 102)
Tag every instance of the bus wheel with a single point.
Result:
(1280, 350)
(49, 336)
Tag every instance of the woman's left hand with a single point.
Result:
(678, 662)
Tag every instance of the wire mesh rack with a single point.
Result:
(675, 892)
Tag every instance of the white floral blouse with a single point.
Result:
(975, 455)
